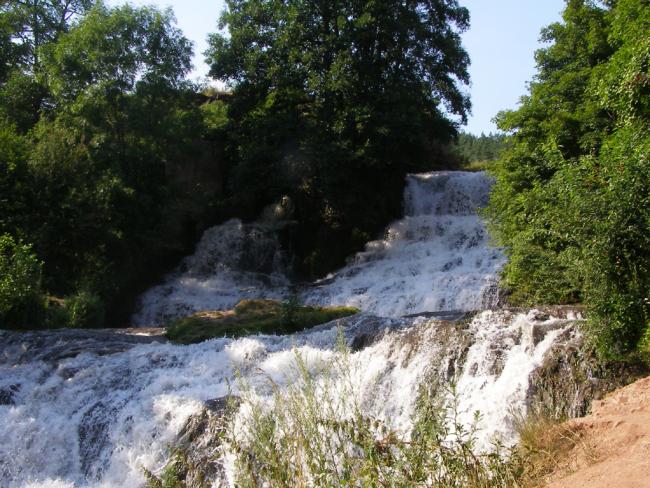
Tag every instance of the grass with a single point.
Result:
(547, 446)
(314, 432)
(253, 317)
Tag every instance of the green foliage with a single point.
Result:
(26, 27)
(333, 103)
(314, 433)
(253, 317)
(21, 300)
(14, 185)
(111, 52)
(34, 24)
(474, 149)
(571, 201)
(96, 119)
(215, 115)
(85, 310)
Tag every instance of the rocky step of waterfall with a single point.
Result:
(105, 405)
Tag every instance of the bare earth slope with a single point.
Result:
(614, 447)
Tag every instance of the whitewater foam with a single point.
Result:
(96, 420)
(437, 258)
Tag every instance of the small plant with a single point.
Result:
(21, 299)
(544, 446)
(290, 310)
(85, 310)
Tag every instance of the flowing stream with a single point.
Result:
(93, 408)
(436, 258)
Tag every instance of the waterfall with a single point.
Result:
(232, 261)
(436, 258)
(93, 408)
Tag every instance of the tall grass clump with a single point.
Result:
(314, 432)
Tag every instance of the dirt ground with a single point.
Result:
(613, 450)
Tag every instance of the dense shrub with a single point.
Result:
(85, 310)
(21, 301)
(572, 199)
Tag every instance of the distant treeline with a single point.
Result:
(471, 148)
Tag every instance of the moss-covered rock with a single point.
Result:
(253, 317)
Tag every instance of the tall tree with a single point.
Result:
(571, 201)
(36, 23)
(334, 101)
(26, 26)
(119, 116)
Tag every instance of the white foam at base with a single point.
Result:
(97, 420)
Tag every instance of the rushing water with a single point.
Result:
(93, 409)
(232, 261)
(436, 258)
(84, 408)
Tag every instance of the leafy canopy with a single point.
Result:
(333, 102)
(571, 203)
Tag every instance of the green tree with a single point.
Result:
(571, 201)
(333, 103)
(14, 181)
(121, 115)
(35, 23)
(27, 26)
(471, 148)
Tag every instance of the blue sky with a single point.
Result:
(501, 43)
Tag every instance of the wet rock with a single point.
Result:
(572, 377)
(196, 457)
(7, 394)
(94, 437)
(54, 346)
(360, 342)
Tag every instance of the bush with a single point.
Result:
(21, 300)
(570, 204)
(85, 310)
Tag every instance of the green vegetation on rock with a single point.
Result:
(253, 317)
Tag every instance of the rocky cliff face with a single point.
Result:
(572, 377)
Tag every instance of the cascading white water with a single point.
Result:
(232, 261)
(436, 258)
(82, 408)
(93, 410)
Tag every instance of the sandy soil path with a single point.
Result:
(614, 447)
